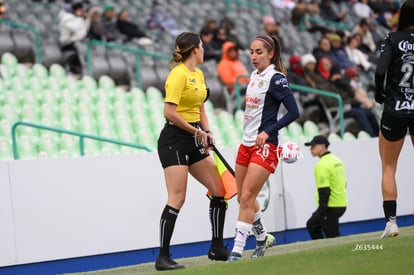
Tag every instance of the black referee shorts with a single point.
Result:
(394, 128)
(178, 147)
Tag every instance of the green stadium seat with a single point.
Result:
(310, 129)
(89, 83)
(363, 135)
(348, 136)
(56, 70)
(333, 137)
(40, 72)
(295, 130)
(9, 62)
(106, 83)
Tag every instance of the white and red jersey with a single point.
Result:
(265, 92)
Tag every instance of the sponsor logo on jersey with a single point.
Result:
(408, 58)
(405, 46)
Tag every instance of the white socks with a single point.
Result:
(259, 230)
(242, 233)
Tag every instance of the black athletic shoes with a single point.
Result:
(166, 263)
(218, 253)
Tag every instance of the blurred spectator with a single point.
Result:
(357, 57)
(210, 53)
(367, 45)
(362, 9)
(96, 29)
(322, 49)
(272, 27)
(210, 23)
(72, 31)
(352, 76)
(300, 13)
(365, 117)
(230, 67)
(219, 37)
(109, 22)
(283, 4)
(295, 71)
(338, 53)
(328, 13)
(3, 9)
(296, 76)
(231, 35)
(158, 19)
(131, 30)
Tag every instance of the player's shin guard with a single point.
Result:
(167, 223)
(218, 207)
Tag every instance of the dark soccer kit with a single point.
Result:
(396, 67)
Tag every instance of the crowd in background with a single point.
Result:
(335, 63)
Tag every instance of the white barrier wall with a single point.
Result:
(71, 207)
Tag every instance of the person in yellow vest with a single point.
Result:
(331, 196)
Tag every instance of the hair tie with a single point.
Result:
(266, 42)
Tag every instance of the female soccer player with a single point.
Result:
(258, 153)
(394, 87)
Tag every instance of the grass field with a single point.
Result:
(356, 254)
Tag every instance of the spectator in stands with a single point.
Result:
(3, 10)
(296, 76)
(300, 13)
(96, 29)
(210, 23)
(158, 19)
(230, 67)
(283, 4)
(323, 48)
(363, 116)
(328, 13)
(219, 37)
(338, 53)
(352, 77)
(109, 23)
(362, 10)
(230, 28)
(272, 27)
(73, 30)
(357, 57)
(210, 53)
(367, 45)
(131, 30)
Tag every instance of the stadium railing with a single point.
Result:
(81, 136)
(136, 51)
(36, 33)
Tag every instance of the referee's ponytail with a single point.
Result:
(184, 44)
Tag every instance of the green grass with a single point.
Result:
(331, 256)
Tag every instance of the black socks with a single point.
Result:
(390, 210)
(167, 223)
(218, 207)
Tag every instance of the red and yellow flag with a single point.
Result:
(227, 178)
